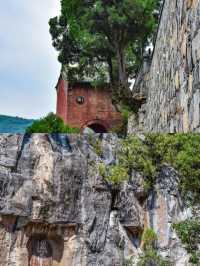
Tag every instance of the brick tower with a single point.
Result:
(80, 105)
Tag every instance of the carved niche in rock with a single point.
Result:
(40, 251)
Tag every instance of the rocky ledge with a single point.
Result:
(57, 209)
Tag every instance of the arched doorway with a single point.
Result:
(95, 127)
(40, 251)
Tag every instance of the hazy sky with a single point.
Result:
(29, 68)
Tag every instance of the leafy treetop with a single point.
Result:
(103, 40)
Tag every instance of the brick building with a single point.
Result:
(80, 105)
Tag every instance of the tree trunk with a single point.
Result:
(123, 81)
(110, 69)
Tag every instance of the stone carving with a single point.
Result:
(40, 252)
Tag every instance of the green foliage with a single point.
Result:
(182, 151)
(149, 239)
(150, 256)
(102, 170)
(117, 174)
(96, 144)
(134, 154)
(99, 39)
(126, 112)
(189, 233)
(50, 124)
(114, 173)
(128, 262)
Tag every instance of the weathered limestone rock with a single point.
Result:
(173, 83)
(164, 207)
(56, 209)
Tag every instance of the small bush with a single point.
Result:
(132, 154)
(150, 256)
(149, 239)
(114, 174)
(189, 233)
(96, 144)
(121, 130)
(182, 151)
(128, 262)
(51, 124)
(136, 155)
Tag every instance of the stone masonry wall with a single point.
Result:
(173, 102)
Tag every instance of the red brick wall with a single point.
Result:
(61, 109)
(97, 107)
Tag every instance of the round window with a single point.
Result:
(80, 99)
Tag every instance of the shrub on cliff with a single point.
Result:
(182, 151)
(132, 154)
(115, 174)
(135, 154)
(51, 124)
(126, 113)
(150, 256)
(189, 233)
(149, 239)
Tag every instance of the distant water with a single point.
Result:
(10, 124)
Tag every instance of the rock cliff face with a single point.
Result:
(173, 82)
(56, 209)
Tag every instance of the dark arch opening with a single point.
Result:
(97, 128)
(39, 248)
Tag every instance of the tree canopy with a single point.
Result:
(103, 40)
